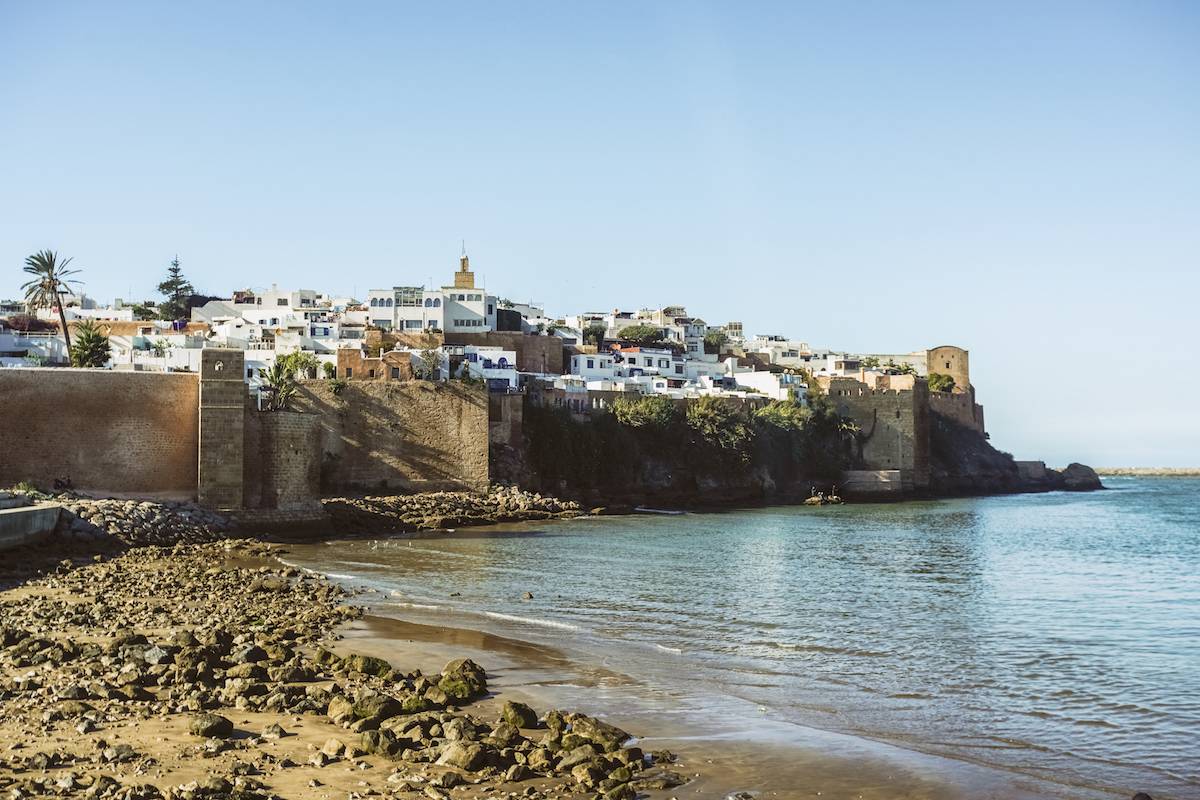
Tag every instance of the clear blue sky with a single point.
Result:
(1021, 179)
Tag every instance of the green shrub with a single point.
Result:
(941, 383)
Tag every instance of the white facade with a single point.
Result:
(593, 366)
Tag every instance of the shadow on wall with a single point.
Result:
(401, 436)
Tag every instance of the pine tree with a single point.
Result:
(177, 290)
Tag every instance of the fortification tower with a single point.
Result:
(953, 361)
(464, 278)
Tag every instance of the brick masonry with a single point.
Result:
(108, 432)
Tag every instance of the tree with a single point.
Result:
(870, 362)
(51, 279)
(279, 385)
(714, 341)
(651, 411)
(143, 311)
(722, 425)
(941, 383)
(643, 335)
(300, 362)
(427, 364)
(783, 415)
(329, 370)
(91, 345)
(159, 347)
(594, 334)
(177, 291)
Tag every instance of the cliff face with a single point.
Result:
(963, 462)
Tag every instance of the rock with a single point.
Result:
(367, 665)
(377, 707)
(273, 732)
(333, 748)
(518, 715)
(463, 755)
(340, 710)
(463, 680)
(610, 737)
(459, 729)
(211, 726)
(579, 755)
(658, 779)
(1080, 478)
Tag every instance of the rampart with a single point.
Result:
(960, 407)
(893, 427)
(389, 435)
(197, 436)
(115, 432)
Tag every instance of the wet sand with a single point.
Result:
(766, 758)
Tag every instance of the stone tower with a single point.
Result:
(464, 278)
(952, 361)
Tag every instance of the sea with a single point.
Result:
(1053, 636)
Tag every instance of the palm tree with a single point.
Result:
(51, 279)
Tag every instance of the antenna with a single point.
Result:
(464, 247)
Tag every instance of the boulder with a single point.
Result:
(367, 665)
(463, 755)
(518, 715)
(463, 680)
(610, 737)
(1080, 478)
(211, 726)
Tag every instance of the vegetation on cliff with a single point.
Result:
(654, 447)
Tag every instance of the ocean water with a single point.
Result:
(1054, 635)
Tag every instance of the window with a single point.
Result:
(679, 369)
(491, 309)
(412, 323)
(389, 302)
(281, 301)
(649, 362)
(370, 373)
(591, 363)
(395, 373)
(437, 302)
(349, 372)
(374, 302)
(249, 372)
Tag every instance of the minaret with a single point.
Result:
(464, 278)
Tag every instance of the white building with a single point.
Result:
(461, 308)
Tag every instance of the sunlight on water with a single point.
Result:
(1057, 635)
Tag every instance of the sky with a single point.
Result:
(1019, 179)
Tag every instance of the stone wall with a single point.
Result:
(960, 407)
(894, 427)
(108, 432)
(222, 414)
(389, 435)
(534, 353)
(282, 461)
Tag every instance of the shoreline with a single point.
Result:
(202, 671)
(743, 749)
(724, 755)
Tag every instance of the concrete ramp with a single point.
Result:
(25, 525)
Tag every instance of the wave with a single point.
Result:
(675, 650)
(421, 606)
(543, 623)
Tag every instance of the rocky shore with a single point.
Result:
(440, 510)
(207, 670)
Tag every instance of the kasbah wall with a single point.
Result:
(894, 416)
(390, 435)
(197, 436)
(112, 432)
(893, 425)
